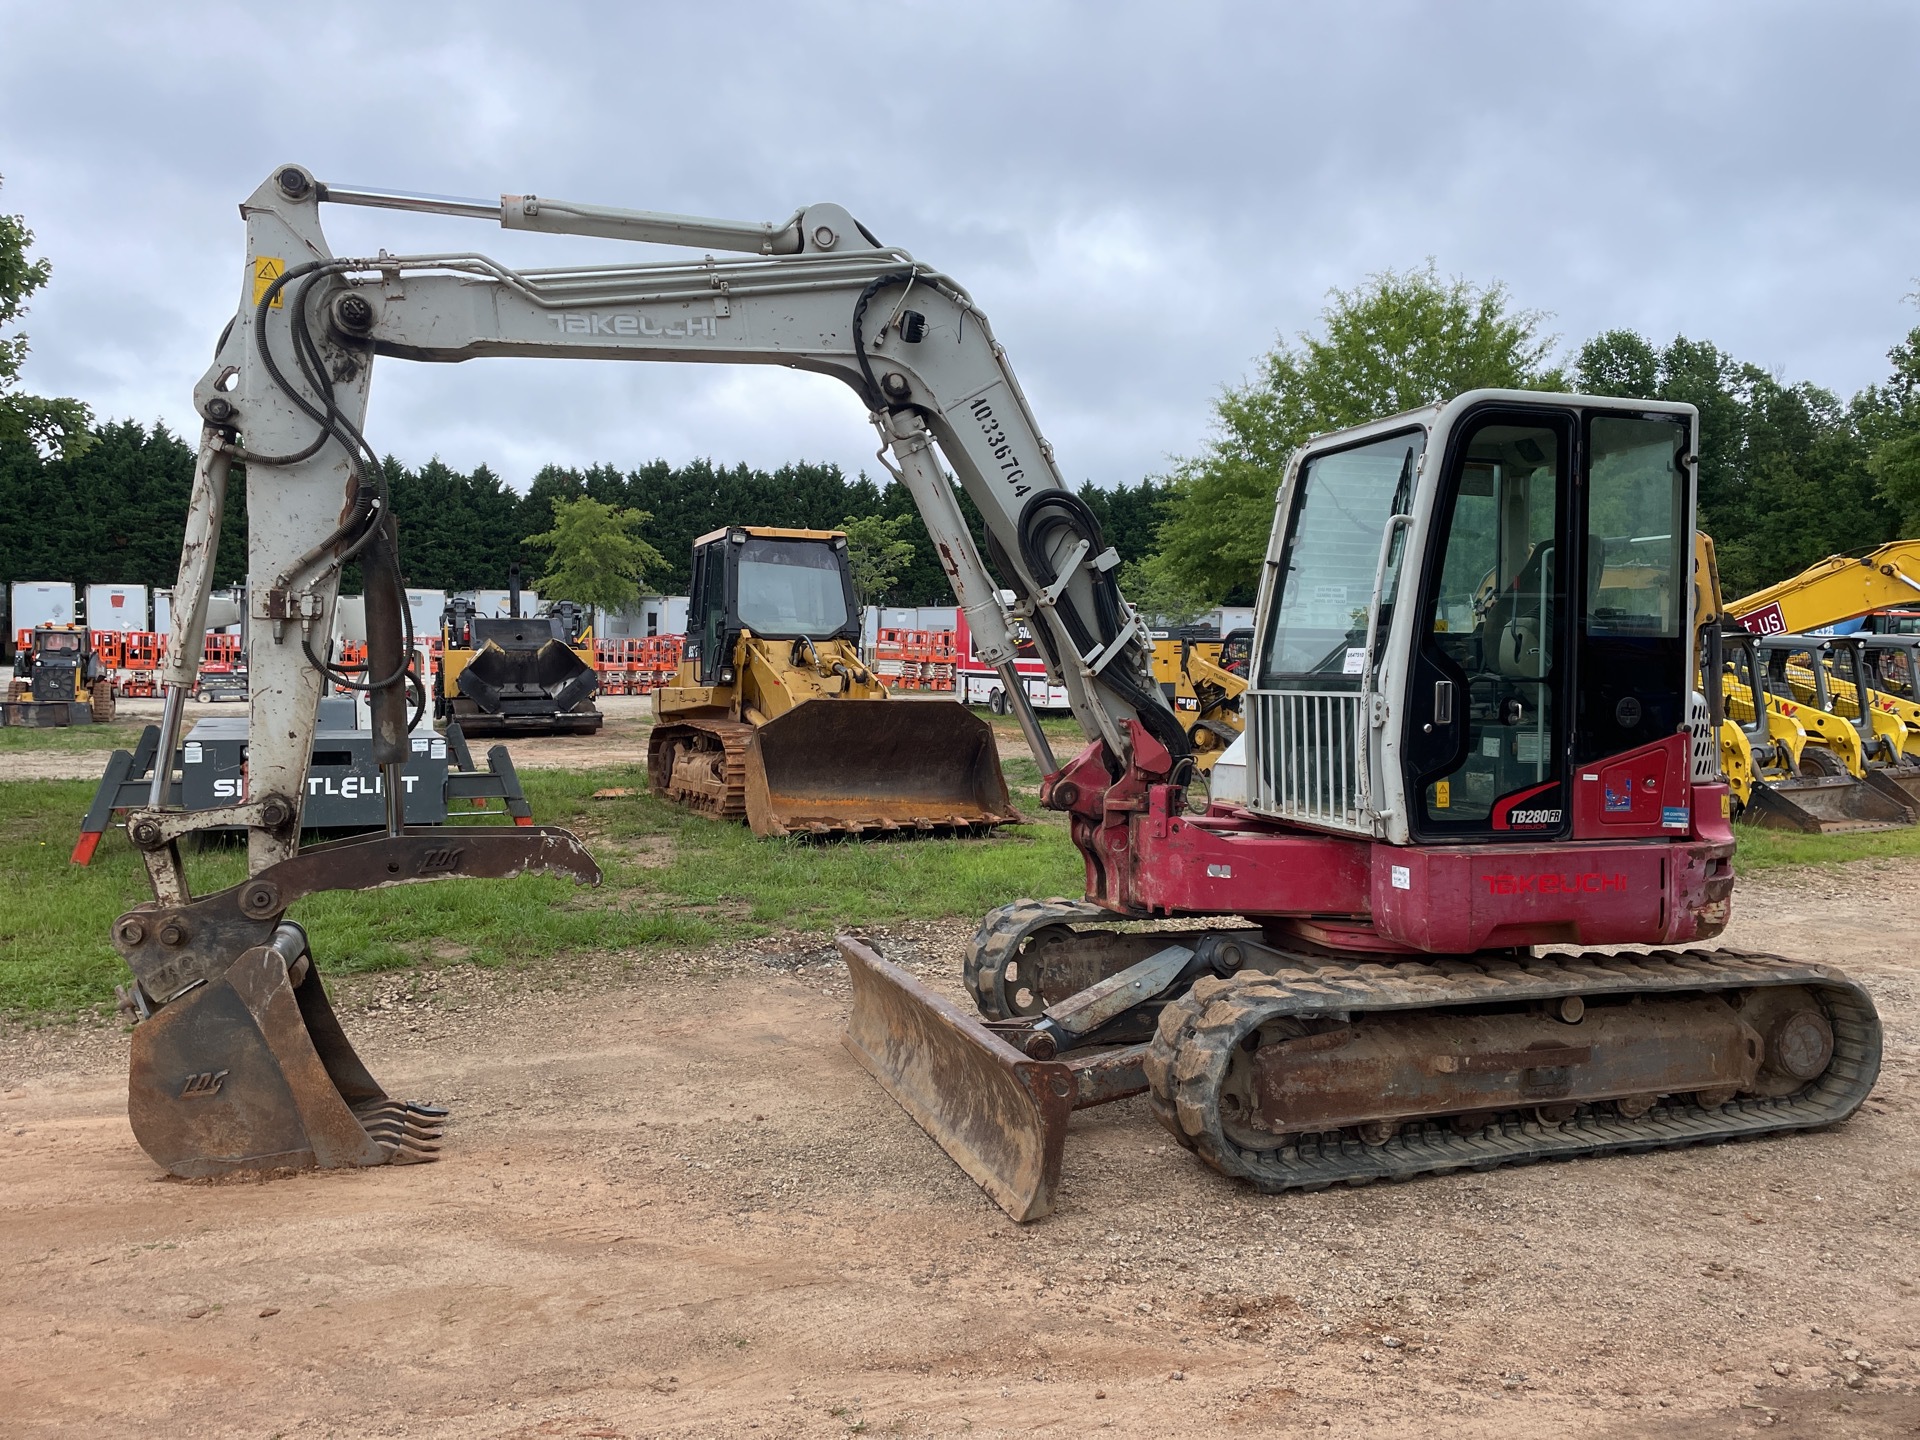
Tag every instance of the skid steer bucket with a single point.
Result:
(252, 1072)
(1825, 806)
(1899, 783)
(1000, 1115)
(872, 766)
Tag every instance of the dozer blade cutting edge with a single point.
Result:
(1001, 1116)
(874, 766)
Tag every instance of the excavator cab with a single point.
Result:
(1540, 626)
(775, 718)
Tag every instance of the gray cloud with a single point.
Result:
(1141, 195)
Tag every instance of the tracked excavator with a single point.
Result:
(1381, 962)
(1857, 765)
(774, 719)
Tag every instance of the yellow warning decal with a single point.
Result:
(266, 270)
(1442, 795)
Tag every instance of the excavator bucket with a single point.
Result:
(241, 1065)
(1001, 1116)
(859, 767)
(252, 1073)
(1826, 806)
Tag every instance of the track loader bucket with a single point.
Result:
(1826, 806)
(1001, 1116)
(863, 766)
(252, 1072)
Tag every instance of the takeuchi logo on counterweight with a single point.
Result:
(1553, 882)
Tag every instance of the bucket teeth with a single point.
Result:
(410, 1133)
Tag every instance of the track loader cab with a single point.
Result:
(774, 718)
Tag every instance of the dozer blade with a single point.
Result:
(874, 766)
(252, 1072)
(1000, 1115)
(1825, 806)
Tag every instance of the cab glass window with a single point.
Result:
(1343, 501)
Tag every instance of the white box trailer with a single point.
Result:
(497, 604)
(38, 602)
(349, 621)
(426, 607)
(650, 615)
(116, 607)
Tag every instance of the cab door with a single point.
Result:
(1485, 752)
(707, 611)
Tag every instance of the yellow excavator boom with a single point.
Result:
(1840, 587)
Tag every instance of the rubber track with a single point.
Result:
(733, 737)
(1187, 1061)
(996, 944)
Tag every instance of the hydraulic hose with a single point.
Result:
(1048, 518)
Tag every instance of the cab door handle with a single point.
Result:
(1443, 702)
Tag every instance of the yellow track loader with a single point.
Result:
(1203, 677)
(773, 717)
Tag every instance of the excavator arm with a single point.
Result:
(1840, 587)
(238, 1062)
(818, 293)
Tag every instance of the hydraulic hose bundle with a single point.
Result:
(1050, 518)
(1051, 522)
(368, 533)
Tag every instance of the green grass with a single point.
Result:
(671, 880)
(21, 739)
(1773, 849)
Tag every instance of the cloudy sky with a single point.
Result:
(1142, 196)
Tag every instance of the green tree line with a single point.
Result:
(115, 511)
(1789, 472)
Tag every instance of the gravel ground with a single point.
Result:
(670, 1204)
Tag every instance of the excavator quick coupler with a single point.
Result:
(238, 1061)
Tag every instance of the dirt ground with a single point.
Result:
(670, 1204)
